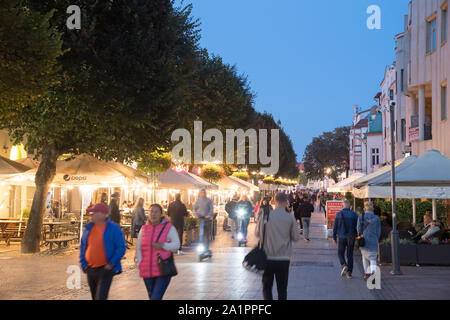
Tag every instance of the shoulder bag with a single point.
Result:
(166, 266)
(360, 242)
(255, 260)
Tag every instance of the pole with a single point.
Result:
(434, 210)
(394, 235)
(414, 211)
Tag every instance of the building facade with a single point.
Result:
(357, 131)
(429, 69)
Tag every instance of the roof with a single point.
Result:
(10, 167)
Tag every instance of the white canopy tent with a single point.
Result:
(182, 180)
(426, 177)
(346, 184)
(87, 172)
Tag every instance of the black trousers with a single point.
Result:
(279, 270)
(99, 281)
(180, 229)
(346, 244)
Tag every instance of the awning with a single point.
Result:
(87, 170)
(346, 184)
(181, 180)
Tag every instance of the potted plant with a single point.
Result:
(434, 252)
(189, 227)
(407, 252)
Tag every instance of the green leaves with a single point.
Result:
(29, 49)
(330, 150)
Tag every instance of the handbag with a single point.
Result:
(360, 242)
(167, 266)
(255, 260)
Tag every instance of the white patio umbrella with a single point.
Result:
(426, 177)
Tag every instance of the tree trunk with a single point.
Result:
(44, 176)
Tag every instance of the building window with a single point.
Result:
(403, 130)
(402, 78)
(431, 35)
(375, 156)
(444, 103)
(444, 25)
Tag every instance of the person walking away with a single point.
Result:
(344, 234)
(281, 230)
(204, 209)
(114, 212)
(298, 211)
(138, 218)
(230, 208)
(177, 212)
(247, 207)
(102, 247)
(369, 227)
(264, 208)
(158, 239)
(306, 211)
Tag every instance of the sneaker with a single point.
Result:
(344, 270)
(180, 252)
(348, 275)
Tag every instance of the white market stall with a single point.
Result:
(173, 181)
(13, 198)
(88, 173)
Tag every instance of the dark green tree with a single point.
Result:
(121, 79)
(28, 55)
(330, 150)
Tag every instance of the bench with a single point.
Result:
(12, 231)
(59, 241)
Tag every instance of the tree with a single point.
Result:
(27, 67)
(302, 178)
(330, 150)
(287, 156)
(121, 78)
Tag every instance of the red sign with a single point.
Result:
(414, 134)
(333, 207)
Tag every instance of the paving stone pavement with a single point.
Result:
(314, 275)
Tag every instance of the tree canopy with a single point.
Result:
(330, 150)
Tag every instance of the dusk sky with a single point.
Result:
(308, 62)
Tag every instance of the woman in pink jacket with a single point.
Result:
(157, 237)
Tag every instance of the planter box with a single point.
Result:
(188, 237)
(433, 254)
(407, 253)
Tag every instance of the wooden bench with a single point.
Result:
(12, 231)
(59, 241)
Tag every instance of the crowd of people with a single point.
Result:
(281, 219)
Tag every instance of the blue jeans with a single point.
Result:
(244, 227)
(343, 245)
(156, 287)
(306, 223)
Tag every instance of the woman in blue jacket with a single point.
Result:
(369, 227)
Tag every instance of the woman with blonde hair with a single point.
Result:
(369, 228)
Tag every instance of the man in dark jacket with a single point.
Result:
(305, 214)
(114, 212)
(344, 234)
(298, 210)
(177, 212)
